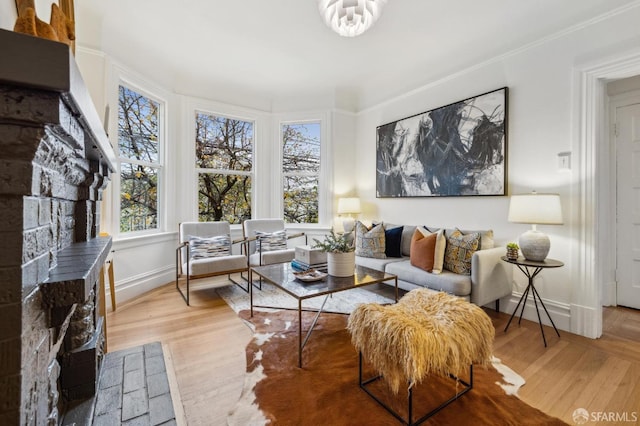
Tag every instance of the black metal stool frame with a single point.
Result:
(408, 421)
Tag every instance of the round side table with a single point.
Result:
(531, 269)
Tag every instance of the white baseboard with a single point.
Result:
(586, 321)
(137, 285)
(560, 312)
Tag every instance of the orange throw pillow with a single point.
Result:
(423, 250)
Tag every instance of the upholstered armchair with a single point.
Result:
(267, 242)
(206, 250)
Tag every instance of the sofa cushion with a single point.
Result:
(370, 242)
(447, 281)
(216, 265)
(486, 236)
(459, 251)
(407, 234)
(423, 248)
(377, 264)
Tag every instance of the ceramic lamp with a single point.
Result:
(535, 209)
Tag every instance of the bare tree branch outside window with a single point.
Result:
(301, 171)
(138, 134)
(224, 160)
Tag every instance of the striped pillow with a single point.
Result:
(202, 248)
(270, 241)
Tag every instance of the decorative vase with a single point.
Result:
(341, 264)
(512, 253)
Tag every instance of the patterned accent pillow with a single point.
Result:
(203, 248)
(270, 241)
(370, 242)
(459, 251)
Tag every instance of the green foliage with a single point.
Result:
(301, 171)
(224, 150)
(138, 131)
(513, 246)
(335, 243)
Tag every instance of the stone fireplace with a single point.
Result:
(55, 161)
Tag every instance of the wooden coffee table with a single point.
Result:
(281, 276)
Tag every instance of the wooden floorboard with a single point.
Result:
(206, 344)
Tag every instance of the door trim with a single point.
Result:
(609, 286)
(589, 186)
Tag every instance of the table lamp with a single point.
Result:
(348, 207)
(536, 209)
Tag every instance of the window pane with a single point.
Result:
(301, 199)
(301, 147)
(224, 197)
(223, 143)
(137, 126)
(138, 197)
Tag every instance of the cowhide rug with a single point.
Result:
(326, 392)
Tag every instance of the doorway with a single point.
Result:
(625, 110)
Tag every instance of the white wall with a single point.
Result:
(541, 123)
(8, 14)
(543, 103)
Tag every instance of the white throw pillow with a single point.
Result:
(202, 248)
(441, 245)
(270, 241)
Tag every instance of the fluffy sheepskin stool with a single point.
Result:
(425, 333)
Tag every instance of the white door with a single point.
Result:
(628, 205)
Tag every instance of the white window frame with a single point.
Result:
(141, 88)
(324, 176)
(284, 174)
(199, 171)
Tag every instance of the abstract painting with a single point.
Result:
(455, 150)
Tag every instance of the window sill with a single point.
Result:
(123, 243)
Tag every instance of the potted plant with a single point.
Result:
(512, 251)
(341, 256)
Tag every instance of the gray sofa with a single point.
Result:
(489, 280)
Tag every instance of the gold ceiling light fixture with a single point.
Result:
(350, 18)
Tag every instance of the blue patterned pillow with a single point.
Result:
(270, 241)
(202, 248)
(370, 242)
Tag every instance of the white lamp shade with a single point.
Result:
(350, 18)
(534, 208)
(349, 206)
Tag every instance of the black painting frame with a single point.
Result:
(459, 149)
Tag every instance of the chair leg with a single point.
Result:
(258, 286)
(238, 284)
(497, 305)
(184, 296)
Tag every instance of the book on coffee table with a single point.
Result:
(299, 265)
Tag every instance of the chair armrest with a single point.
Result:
(489, 276)
(179, 256)
(296, 235)
(238, 240)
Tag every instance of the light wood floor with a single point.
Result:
(205, 346)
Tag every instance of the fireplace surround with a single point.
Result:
(55, 161)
